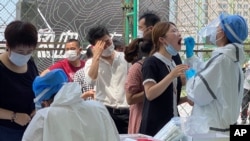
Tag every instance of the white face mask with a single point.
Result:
(212, 38)
(140, 34)
(19, 59)
(71, 55)
(108, 51)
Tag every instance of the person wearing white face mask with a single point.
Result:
(107, 69)
(72, 61)
(17, 72)
(217, 87)
(146, 22)
(160, 74)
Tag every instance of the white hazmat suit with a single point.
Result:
(69, 118)
(217, 88)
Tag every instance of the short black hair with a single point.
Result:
(117, 43)
(96, 33)
(21, 33)
(151, 18)
(74, 40)
(89, 52)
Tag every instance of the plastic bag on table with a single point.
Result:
(171, 131)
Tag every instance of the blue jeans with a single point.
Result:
(8, 134)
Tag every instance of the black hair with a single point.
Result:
(150, 18)
(89, 52)
(21, 33)
(74, 40)
(96, 33)
(117, 43)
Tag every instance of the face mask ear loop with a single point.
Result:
(220, 37)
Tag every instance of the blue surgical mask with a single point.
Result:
(19, 59)
(171, 50)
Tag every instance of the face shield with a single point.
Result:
(234, 27)
(212, 26)
(209, 29)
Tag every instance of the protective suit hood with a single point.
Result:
(233, 51)
(70, 118)
(68, 94)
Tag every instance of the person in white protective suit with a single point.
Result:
(68, 118)
(217, 86)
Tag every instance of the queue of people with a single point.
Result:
(115, 91)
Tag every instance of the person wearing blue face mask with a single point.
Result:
(160, 74)
(17, 72)
(146, 23)
(217, 87)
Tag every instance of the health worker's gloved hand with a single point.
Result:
(189, 42)
(190, 73)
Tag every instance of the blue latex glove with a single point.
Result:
(190, 73)
(189, 42)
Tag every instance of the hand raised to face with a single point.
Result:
(98, 48)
